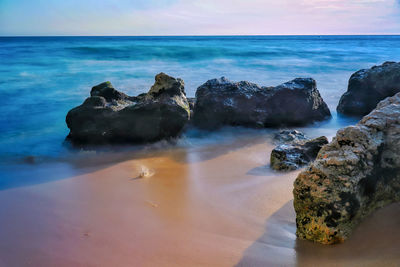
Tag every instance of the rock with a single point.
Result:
(191, 101)
(109, 116)
(296, 152)
(355, 174)
(221, 102)
(107, 91)
(289, 136)
(369, 86)
(167, 85)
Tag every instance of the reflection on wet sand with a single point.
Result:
(217, 205)
(374, 243)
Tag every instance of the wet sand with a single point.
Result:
(216, 206)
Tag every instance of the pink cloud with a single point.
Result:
(192, 17)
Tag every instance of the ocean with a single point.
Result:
(41, 78)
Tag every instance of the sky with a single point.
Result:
(198, 17)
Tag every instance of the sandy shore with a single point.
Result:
(219, 206)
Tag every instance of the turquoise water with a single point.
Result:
(41, 78)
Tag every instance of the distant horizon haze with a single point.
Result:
(210, 35)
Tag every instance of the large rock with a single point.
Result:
(111, 116)
(355, 174)
(289, 136)
(369, 86)
(222, 102)
(294, 154)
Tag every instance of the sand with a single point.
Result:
(214, 206)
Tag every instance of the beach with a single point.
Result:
(205, 198)
(218, 205)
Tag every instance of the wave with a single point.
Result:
(202, 53)
(134, 52)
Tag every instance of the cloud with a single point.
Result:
(166, 17)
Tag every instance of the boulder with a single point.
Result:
(289, 136)
(296, 151)
(109, 116)
(369, 86)
(221, 102)
(355, 174)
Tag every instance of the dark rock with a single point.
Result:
(221, 102)
(369, 86)
(297, 152)
(355, 174)
(289, 136)
(107, 91)
(167, 85)
(191, 101)
(111, 116)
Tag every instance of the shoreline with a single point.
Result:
(187, 212)
(192, 137)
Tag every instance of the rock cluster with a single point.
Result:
(295, 151)
(369, 86)
(111, 116)
(221, 102)
(355, 174)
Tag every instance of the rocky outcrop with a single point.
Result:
(295, 151)
(221, 102)
(355, 174)
(111, 116)
(369, 86)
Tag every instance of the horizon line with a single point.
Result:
(205, 35)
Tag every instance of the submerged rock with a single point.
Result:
(355, 174)
(369, 86)
(296, 151)
(111, 116)
(221, 102)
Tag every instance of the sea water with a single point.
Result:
(41, 78)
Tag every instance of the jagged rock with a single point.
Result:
(369, 86)
(111, 116)
(167, 85)
(355, 174)
(107, 91)
(296, 152)
(221, 102)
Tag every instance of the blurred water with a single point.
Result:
(41, 78)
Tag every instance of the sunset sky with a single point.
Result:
(198, 17)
